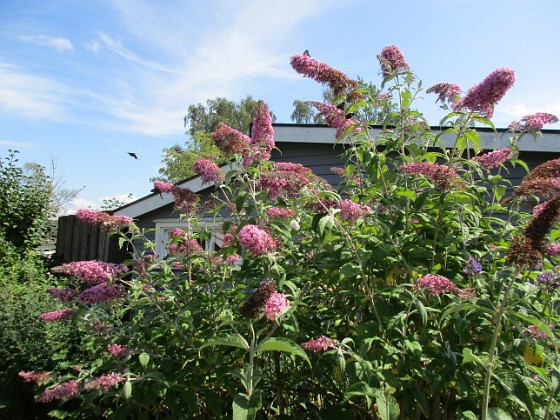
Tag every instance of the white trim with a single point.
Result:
(164, 228)
(489, 139)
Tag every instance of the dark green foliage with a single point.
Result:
(24, 203)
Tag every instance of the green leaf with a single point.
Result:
(144, 358)
(127, 389)
(496, 413)
(284, 345)
(387, 406)
(349, 270)
(421, 309)
(245, 408)
(469, 356)
(474, 138)
(325, 223)
(230, 340)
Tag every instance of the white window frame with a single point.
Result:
(164, 228)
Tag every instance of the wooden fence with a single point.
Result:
(77, 240)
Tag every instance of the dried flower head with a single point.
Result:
(252, 306)
(229, 140)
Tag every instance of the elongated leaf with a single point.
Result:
(284, 345)
(387, 406)
(496, 413)
(421, 309)
(127, 389)
(230, 340)
(245, 408)
(469, 356)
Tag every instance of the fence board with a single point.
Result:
(77, 240)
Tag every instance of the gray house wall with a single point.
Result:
(315, 148)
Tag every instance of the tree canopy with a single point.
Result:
(202, 120)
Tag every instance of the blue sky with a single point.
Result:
(86, 82)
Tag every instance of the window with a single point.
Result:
(165, 228)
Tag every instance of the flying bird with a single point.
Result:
(133, 155)
(306, 52)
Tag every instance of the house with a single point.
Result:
(314, 147)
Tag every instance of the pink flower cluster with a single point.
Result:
(494, 159)
(118, 350)
(256, 240)
(335, 118)
(103, 220)
(263, 133)
(447, 92)
(208, 170)
(262, 140)
(535, 332)
(64, 295)
(91, 271)
(435, 285)
(275, 305)
(443, 176)
(287, 178)
(232, 259)
(320, 344)
(351, 211)
(534, 122)
(553, 249)
(484, 96)
(229, 140)
(106, 382)
(322, 73)
(65, 391)
(60, 315)
(282, 213)
(101, 293)
(36, 376)
(392, 60)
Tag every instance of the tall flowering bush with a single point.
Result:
(423, 287)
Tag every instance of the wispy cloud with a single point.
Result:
(35, 97)
(233, 52)
(58, 43)
(19, 145)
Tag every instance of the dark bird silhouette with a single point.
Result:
(306, 52)
(133, 155)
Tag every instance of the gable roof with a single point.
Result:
(321, 134)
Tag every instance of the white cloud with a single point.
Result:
(239, 45)
(18, 145)
(58, 43)
(93, 46)
(33, 96)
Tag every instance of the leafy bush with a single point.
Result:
(422, 288)
(24, 207)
